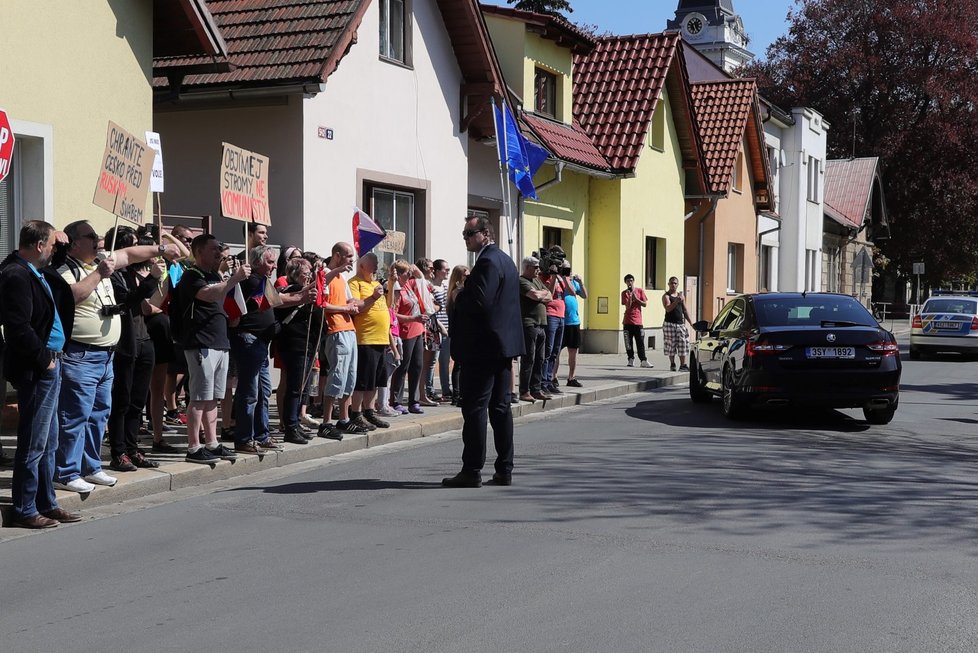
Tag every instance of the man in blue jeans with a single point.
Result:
(35, 336)
(250, 338)
(86, 368)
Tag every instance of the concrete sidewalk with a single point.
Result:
(604, 376)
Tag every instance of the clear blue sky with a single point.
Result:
(763, 19)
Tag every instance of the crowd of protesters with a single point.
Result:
(109, 334)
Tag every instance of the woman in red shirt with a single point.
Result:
(411, 319)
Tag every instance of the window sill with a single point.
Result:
(395, 62)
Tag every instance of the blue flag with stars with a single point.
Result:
(521, 158)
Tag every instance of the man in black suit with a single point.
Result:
(37, 316)
(486, 333)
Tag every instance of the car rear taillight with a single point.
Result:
(917, 323)
(974, 324)
(762, 347)
(885, 348)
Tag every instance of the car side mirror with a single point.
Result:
(701, 326)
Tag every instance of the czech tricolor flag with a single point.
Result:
(234, 303)
(367, 234)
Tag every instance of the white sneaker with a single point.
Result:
(646, 364)
(309, 421)
(75, 485)
(101, 478)
(630, 363)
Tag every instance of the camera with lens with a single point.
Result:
(112, 309)
(552, 260)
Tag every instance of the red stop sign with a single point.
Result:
(6, 144)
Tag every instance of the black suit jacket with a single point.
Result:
(27, 314)
(485, 322)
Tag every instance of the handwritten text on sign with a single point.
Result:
(393, 243)
(244, 185)
(123, 181)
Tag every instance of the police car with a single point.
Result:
(946, 322)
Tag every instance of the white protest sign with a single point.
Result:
(156, 178)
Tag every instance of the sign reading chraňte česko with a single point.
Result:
(124, 179)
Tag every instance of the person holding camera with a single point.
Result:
(134, 359)
(550, 263)
(87, 371)
(573, 288)
(634, 300)
(673, 326)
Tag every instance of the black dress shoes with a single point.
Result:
(502, 479)
(463, 479)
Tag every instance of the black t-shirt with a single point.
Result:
(260, 319)
(534, 313)
(204, 325)
(302, 329)
(130, 290)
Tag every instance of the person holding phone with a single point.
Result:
(673, 327)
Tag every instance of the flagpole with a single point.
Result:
(502, 150)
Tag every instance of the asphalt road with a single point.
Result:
(644, 524)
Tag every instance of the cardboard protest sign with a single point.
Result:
(156, 179)
(244, 185)
(393, 243)
(124, 179)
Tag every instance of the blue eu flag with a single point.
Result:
(520, 157)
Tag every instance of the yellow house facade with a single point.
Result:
(68, 69)
(624, 156)
(632, 97)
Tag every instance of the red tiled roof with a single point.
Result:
(567, 142)
(616, 90)
(277, 41)
(722, 111)
(849, 188)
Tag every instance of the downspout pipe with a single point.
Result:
(700, 293)
(559, 177)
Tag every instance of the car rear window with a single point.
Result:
(810, 311)
(965, 306)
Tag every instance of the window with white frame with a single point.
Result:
(737, 180)
(811, 269)
(655, 261)
(766, 263)
(832, 274)
(814, 178)
(732, 267)
(395, 24)
(394, 211)
(657, 130)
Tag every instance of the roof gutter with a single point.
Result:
(558, 176)
(307, 90)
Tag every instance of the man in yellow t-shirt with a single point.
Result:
(373, 326)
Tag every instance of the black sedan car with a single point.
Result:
(805, 349)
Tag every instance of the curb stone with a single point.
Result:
(175, 474)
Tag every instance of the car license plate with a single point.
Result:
(830, 352)
(947, 326)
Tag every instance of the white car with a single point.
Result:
(946, 323)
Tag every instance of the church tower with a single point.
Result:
(713, 28)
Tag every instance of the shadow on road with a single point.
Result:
(827, 479)
(351, 485)
(956, 391)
